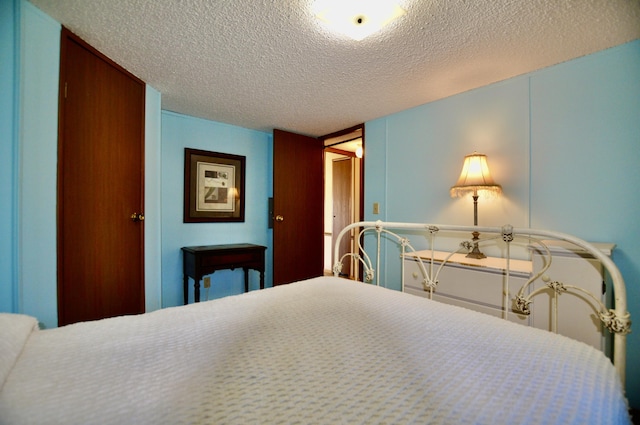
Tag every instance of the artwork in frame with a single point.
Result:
(213, 186)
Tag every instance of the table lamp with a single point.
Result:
(475, 178)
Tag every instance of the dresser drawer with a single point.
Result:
(231, 258)
(492, 311)
(475, 284)
(472, 287)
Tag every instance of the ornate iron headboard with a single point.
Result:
(615, 318)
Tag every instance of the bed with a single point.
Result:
(327, 350)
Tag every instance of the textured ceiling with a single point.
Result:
(265, 64)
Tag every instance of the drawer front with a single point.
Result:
(512, 317)
(231, 258)
(475, 286)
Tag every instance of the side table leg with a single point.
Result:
(196, 290)
(246, 279)
(261, 279)
(186, 289)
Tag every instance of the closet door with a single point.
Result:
(100, 186)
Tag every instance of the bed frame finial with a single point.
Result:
(615, 323)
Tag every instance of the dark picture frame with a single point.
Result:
(213, 186)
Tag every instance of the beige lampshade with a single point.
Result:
(475, 177)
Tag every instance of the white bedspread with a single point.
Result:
(323, 351)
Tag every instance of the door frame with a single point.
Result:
(330, 141)
(342, 188)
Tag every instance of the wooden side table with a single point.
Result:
(199, 261)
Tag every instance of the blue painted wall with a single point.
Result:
(585, 152)
(37, 166)
(179, 132)
(152, 198)
(9, 52)
(564, 143)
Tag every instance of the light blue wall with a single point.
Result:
(178, 133)
(423, 150)
(564, 142)
(9, 52)
(37, 169)
(152, 199)
(426, 147)
(585, 153)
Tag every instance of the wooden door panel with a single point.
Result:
(342, 200)
(298, 199)
(100, 249)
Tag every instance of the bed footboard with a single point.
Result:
(505, 240)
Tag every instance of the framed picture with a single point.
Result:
(213, 186)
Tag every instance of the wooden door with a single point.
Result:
(342, 200)
(297, 206)
(100, 186)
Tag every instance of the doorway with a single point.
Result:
(343, 193)
(302, 247)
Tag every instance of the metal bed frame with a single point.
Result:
(615, 318)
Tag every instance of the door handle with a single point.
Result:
(135, 217)
(279, 218)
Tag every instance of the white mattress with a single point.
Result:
(324, 351)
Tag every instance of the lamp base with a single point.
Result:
(475, 252)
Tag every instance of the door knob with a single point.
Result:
(279, 218)
(137, 217)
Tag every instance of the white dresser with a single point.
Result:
(480, 285)
(467, 282)
(577, 313)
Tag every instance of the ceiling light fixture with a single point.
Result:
(357, 18)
